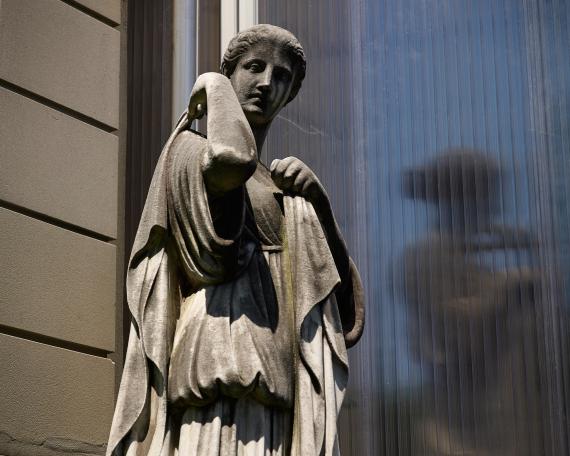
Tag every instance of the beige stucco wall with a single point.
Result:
(61, 212)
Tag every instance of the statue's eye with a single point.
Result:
(255, 67)
(283, 75)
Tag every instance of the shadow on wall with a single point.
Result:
(471, 290)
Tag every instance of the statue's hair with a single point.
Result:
(266, 33)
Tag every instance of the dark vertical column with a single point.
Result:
(208, 40)
(149, 104)
(208, 30)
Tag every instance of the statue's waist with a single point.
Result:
(232, 340)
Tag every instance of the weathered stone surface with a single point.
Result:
(53, 400)
(57, 165)
(57, 283)
(44, 43)
(10, 446)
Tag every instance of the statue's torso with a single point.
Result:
(236, 338)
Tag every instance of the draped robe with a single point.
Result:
(187, 278)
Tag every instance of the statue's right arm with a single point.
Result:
(231, 156)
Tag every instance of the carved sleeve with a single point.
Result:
(205, 232)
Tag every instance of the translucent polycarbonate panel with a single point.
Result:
(441, 131)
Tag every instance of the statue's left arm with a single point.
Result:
(291, 174)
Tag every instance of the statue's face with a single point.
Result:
(262, 80)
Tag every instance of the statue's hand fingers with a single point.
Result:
(278, 169)
(197, 108)
(302, 179)
(201, 110)
(273, 165)
(290, 175)
(197, 103)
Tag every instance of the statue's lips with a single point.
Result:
(256, 101)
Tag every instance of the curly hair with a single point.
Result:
(243, 41)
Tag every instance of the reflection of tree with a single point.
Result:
(467, 319)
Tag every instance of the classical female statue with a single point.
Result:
(242, 293)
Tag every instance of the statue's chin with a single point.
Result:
(256, 117)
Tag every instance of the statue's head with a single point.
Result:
(266, 65)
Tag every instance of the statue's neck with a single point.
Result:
(259, 134)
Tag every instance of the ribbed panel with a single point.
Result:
(440, 130)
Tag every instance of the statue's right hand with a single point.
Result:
(206, 83)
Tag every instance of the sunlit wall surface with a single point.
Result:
(441, 130)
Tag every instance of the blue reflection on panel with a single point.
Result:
(440, 129)
(490, 77)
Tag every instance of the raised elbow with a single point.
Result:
(229, 156)
(226, 168)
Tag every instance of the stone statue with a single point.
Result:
(242, 293)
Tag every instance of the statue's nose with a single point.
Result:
(265, 78)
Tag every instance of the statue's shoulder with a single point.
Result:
(189, 140)
(187, 147)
